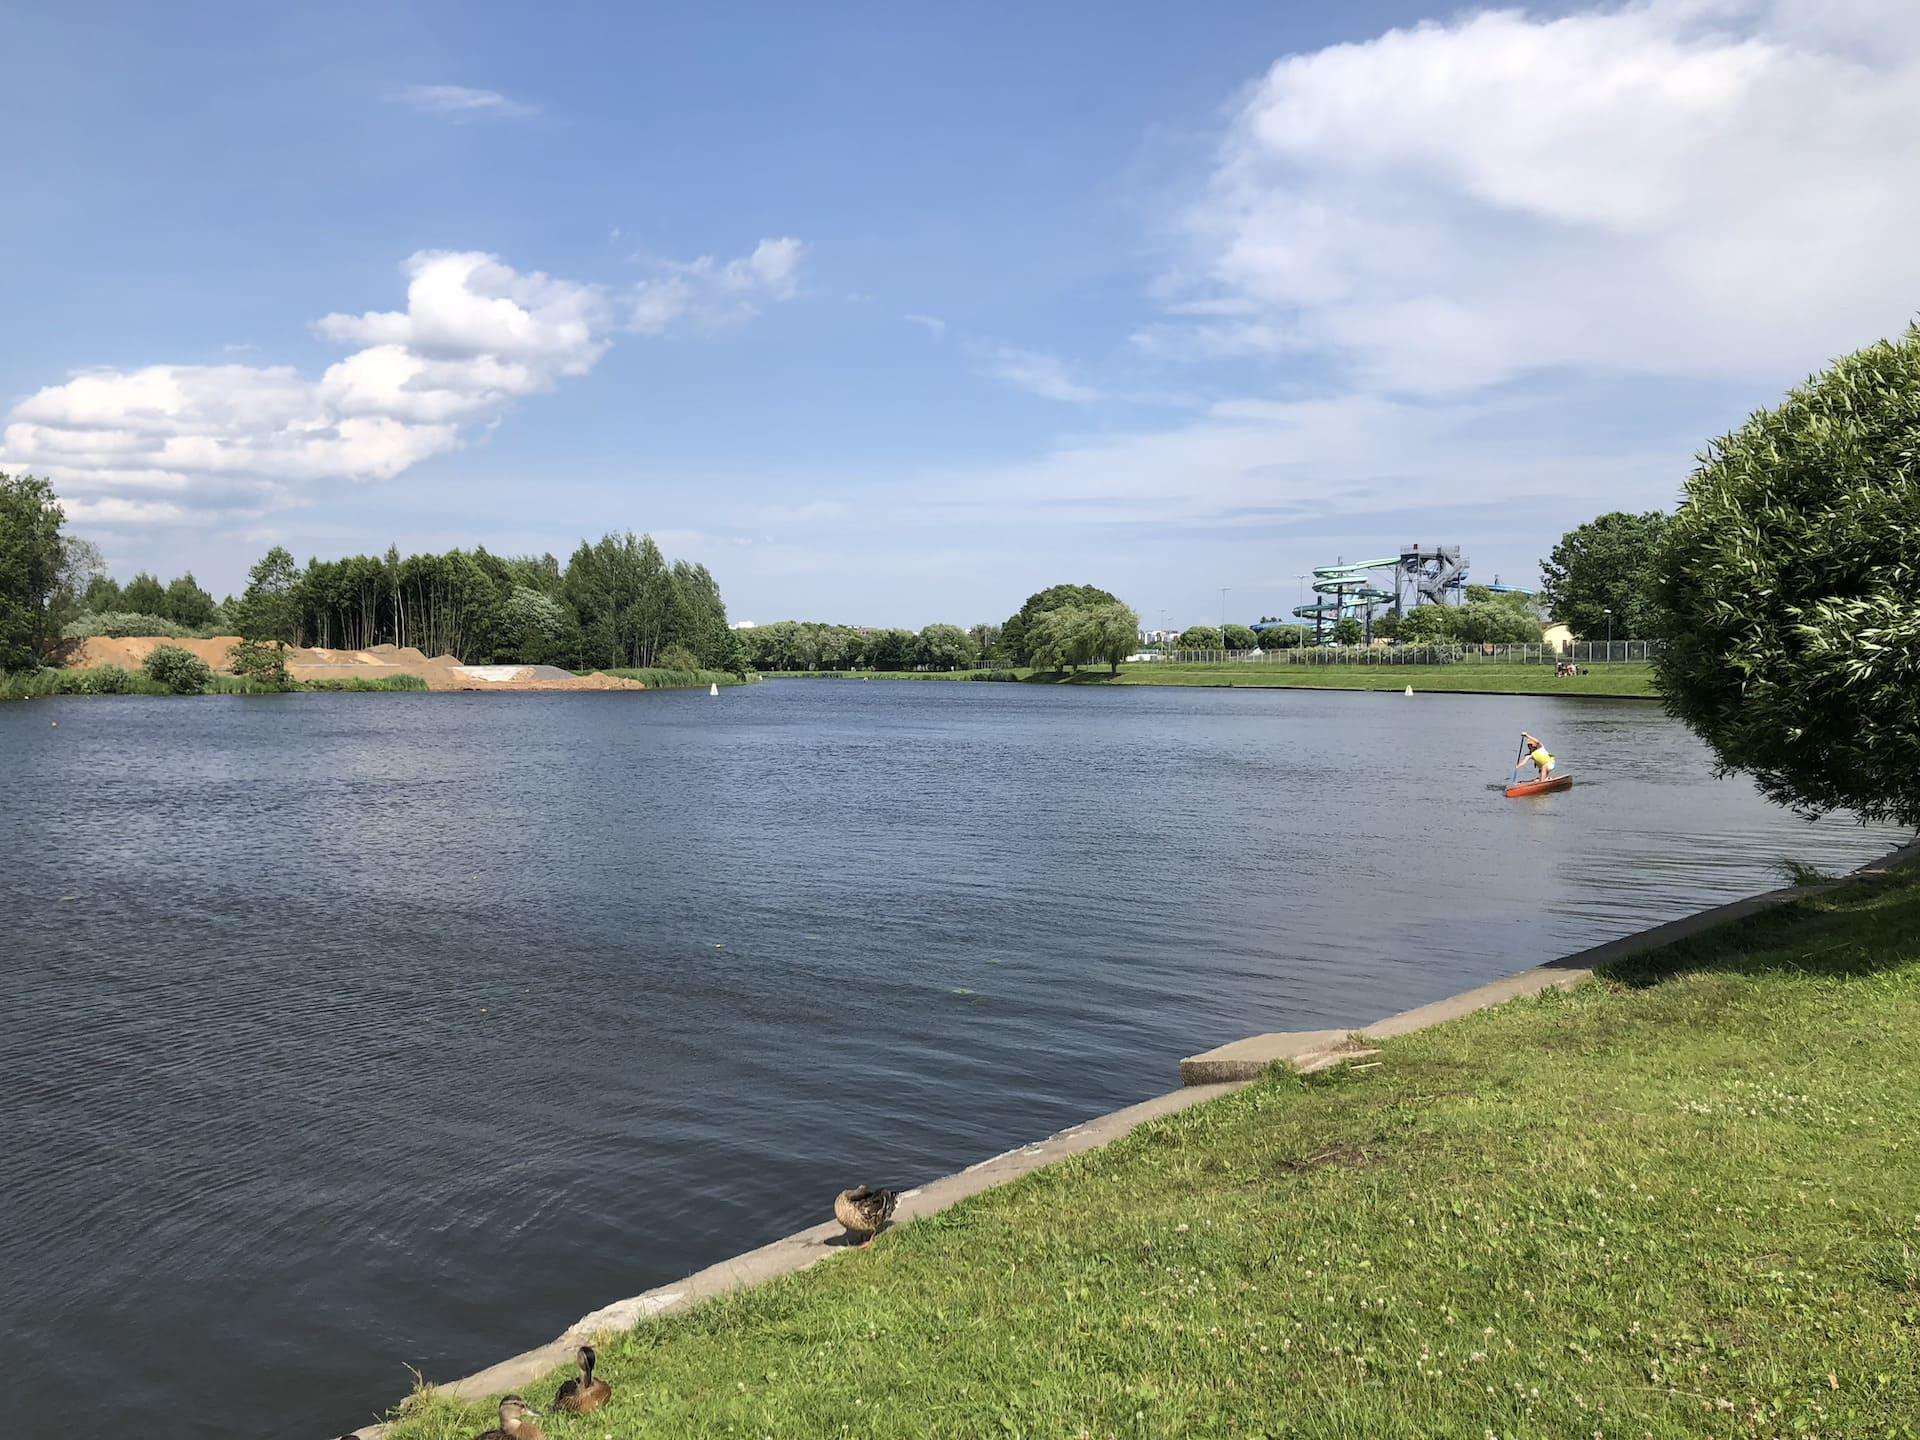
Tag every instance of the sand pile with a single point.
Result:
(131, 653)
(441, 672)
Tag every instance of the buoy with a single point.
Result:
(714, 689)
(1409, 689)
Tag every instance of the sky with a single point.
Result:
(893, 313)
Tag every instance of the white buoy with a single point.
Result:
(714, 689)
(1409, 689)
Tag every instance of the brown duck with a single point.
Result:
(583, 1394)
(864, 1212)
(516, 1422)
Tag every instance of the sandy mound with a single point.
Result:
(442, 672)
(131, 653)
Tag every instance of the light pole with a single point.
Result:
(1609, 614)
(1223, 620)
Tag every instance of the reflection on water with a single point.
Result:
(360, 1030)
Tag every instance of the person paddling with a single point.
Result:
(1532, 750)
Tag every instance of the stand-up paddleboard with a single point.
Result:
(1520, 789)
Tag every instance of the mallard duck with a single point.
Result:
(516, 1422)
(583, 1393)
(864, 1212)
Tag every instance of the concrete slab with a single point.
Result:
(1303, 1050)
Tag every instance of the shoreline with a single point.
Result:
(1210, 1075)
(1623, 681)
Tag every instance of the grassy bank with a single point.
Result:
(41, 684)
(1683, 1200)
(1466, 678)
(1620, 681)
(656, 679)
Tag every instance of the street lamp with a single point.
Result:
(1223, 620)
(1609, 615)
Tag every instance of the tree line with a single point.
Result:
(617, 603)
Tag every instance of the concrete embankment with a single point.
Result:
(1209, 1075)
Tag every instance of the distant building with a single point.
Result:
(743, 625)
(1555, 636)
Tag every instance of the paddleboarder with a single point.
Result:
(1532, 750)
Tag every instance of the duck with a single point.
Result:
(583, 1394)
(865, 1211)
(516, 1422)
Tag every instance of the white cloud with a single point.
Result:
(1696, 187)
(243, 440)
(459, 102)
(932, 324)
(710, 292)
(1037, 373)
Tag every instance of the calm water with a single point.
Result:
(356, 1030)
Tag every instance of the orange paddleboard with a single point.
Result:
(1539, 787)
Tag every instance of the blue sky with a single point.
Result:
(893, 314)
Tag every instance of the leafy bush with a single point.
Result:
(1791, 593)
(106, 680)
(117, 624)
(260, 660)
(180, 671)
(676, 657)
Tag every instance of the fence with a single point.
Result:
(1580, 652)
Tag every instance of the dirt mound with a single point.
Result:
(132, 652)
(442, 672)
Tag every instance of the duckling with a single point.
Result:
(864, 1212)
(515, 1422)
(583, 1394)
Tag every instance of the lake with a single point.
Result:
(357, 1031)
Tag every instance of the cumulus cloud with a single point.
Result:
(1694, 187)
(932, 324)
(459, 102)
(710, 292)
(475, 335)
(1036, 373)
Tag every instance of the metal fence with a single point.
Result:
(1580, 652)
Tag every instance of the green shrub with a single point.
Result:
(261, 661)
(180, 671)
(1791, 593)
(107, 680)
(676, 657)
(117, 624)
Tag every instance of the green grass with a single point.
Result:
(361, 682)
(40, 684)
(1683, 1200)
(657, 679)
(1467, 678)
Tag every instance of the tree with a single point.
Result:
(1428, 625)
(270, 605)
(892, 649)
(259, 660)
(1199, 637)
(31, 556)
(181, 671)
(1016, 634)
(1491, 622)
(187, 604)
(1790, 595)
(1606, 564)
(987, 645)
(1113, 633)
(1238, 637)
(945, 647)
(1348, 631)
(145, 595)
(1282, 637)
